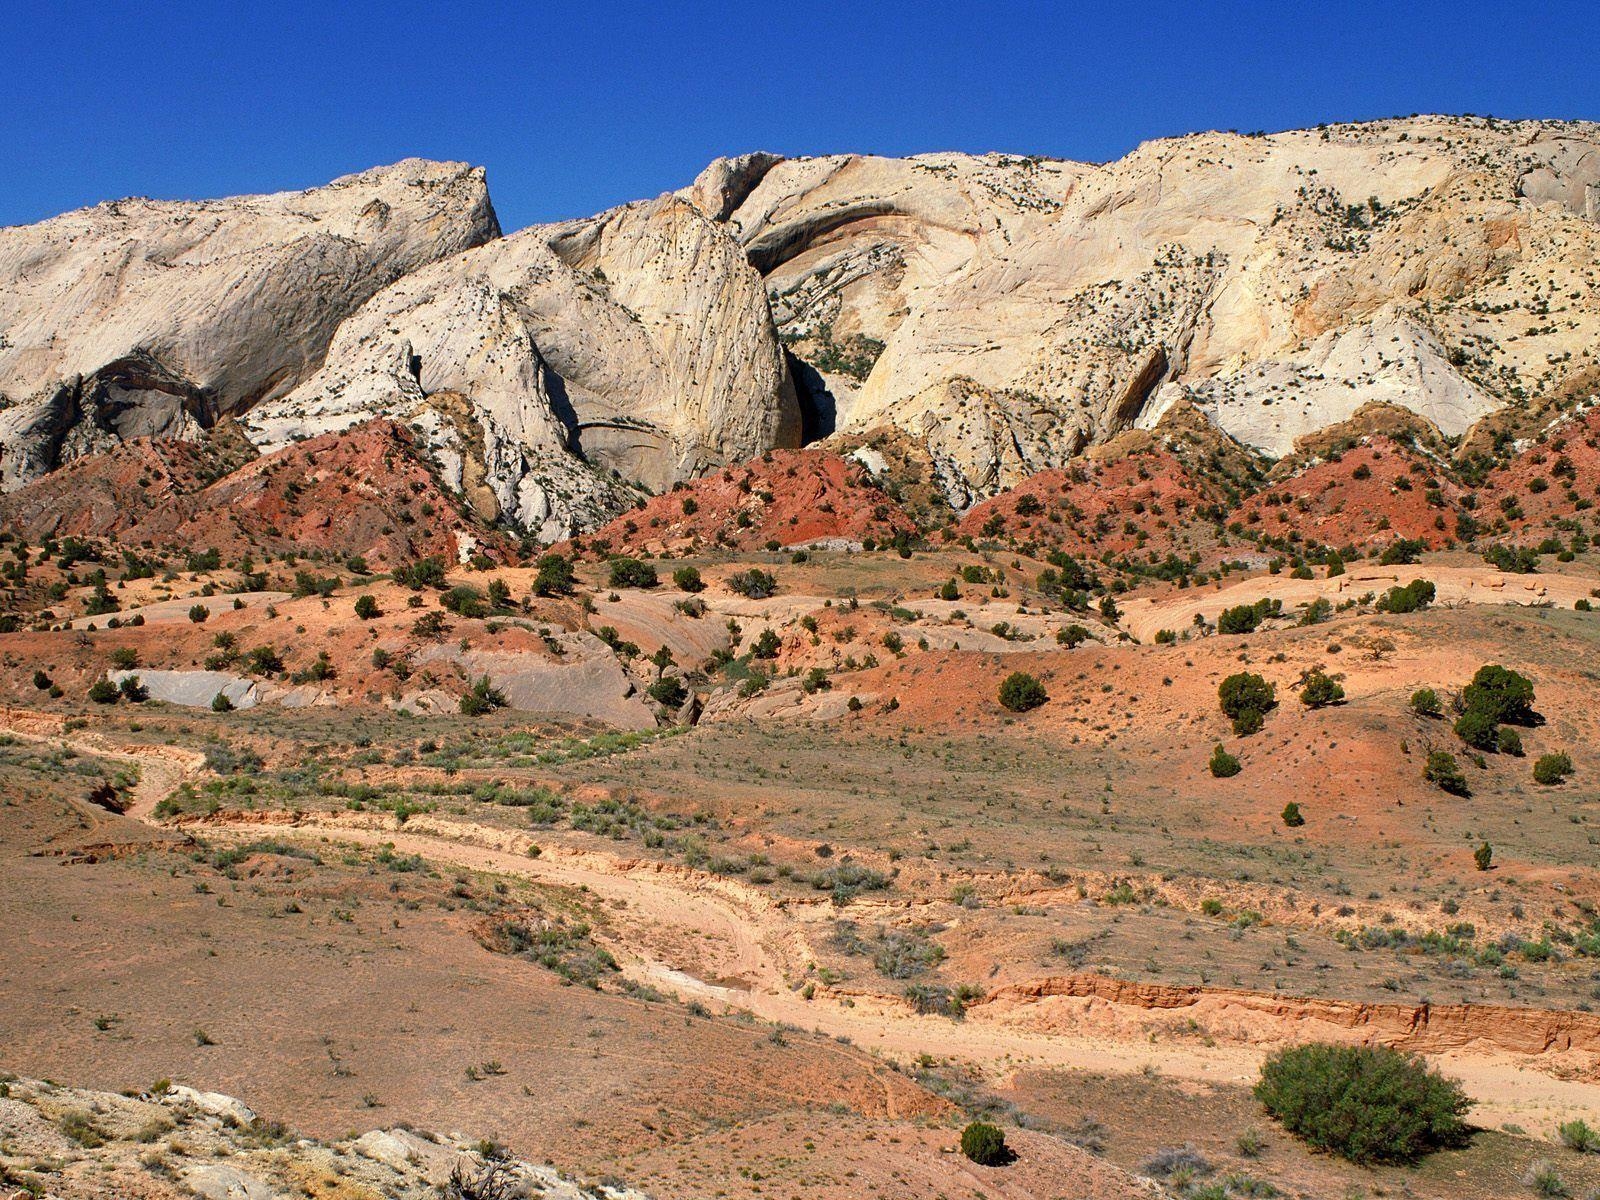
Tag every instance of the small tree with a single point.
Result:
(367, 608)
(985, 1144)
(1425, 703)
(668, 691)
(687, 579)
(1508, 741)
(1552, 768)
(1320, 690)
(1292, 816)
(1441, 771)
(198, 613)
(755, 583)
(133, 689)
(767, 645)
(1020, 692)
(1247, 698)
(554, 577)
(1484, 856)
(631, 573)
(1366, 1103)
(1477, 729)
(1224, 765)
(483, 697)
(1501, 694)
(221, 704)
(103, 691)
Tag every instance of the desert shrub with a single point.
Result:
(198, 613)
(1365, 1103)
(554, 577)
(1508, 741)
(481, 698)
(669, 690)
(1184, 1162)
(1072, 636)
(1578, 1135)
(1020, 692)
(133, 690)
(631, 573)
(1441, 771)
(1247, 698)
(1413, 597)
(985, 1144)
(263, 660)
(367, 608)
(1247, 618)
(1483, 856)
(1502, 694)
(1292, 816)
(1514, 560)
(1543, 1179)
(1402, 552)
(687, 579)
(426, 572)
(1320, 690)
(767, 645)
(1552, 768)
(1425, 703)
(221, 704)
(464, 601)
(1477, 729)
(1224, 765)
(103, 691)
(755, 583)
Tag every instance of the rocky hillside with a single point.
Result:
(177, 1142)
(145, 317)
(1000, 314)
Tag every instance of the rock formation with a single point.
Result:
(545, 367)
(1010, 311)
(146, 317)
(1003, 313)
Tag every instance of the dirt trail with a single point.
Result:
(723, 942)
(755, 949)
(162, 769)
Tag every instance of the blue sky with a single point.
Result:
(579, 106)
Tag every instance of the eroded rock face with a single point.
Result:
(548, 367)
(1011, 311)
(153, 318)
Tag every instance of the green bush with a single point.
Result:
(1224, 765)
(669, 690)
(1508, 741)
(1247, 698)
(481, 698)
(1247, 618)
(1292, 816)
(554, 577)
(687, 579)
(1483, 856)
(1552, 768)
(755, 583)
(103, 691)
(1413, 597)
(1425, 703)
(985, 1144)
(1020, 692)
(1402, 552)
(1366, 1103)
(1579, 1136)
(1502, 694)
(1441, 771)
(1477, 729)
(1320, 690)
(221, 704)
(631, 573)
(367, 608)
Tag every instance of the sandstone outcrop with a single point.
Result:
(1011, 311)
(154, 318)
(548, 369)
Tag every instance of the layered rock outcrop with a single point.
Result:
(1011, 311)
(154, 318)
(550, 368)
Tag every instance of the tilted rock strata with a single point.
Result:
(154, 318)
(638, 342)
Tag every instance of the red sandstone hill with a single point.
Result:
(791, 497)
(365, 491)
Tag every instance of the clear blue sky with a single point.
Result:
(579, 106)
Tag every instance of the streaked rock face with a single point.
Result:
(1006, 312)
(545, 366)
(1011, 311)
